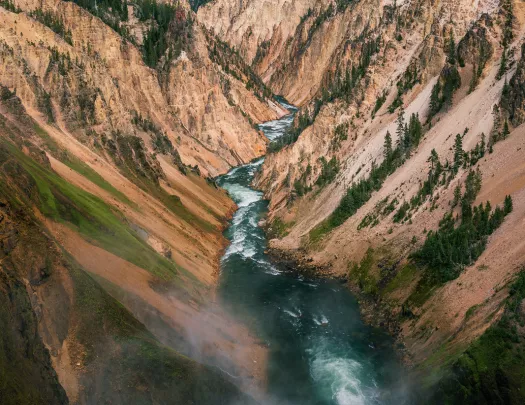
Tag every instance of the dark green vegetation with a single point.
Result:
(328, 171)
(449, 249)
(340, 135)
(492, 370)
(453, 246)
(512, 104)
(170, 26)
(508, 35)
(476, 49)
(345, 82)
(54, 22)
(360, 192)
(195, 4)
(112, 12)
(300, 185)
(170, 31)
(9, 5)
(441, 174)
(379, 103)
(448, 82)
(278, 228)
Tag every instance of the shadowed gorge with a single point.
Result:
(272, 202)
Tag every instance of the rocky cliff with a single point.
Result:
(409, 130)
(113, 119)
(403, 176)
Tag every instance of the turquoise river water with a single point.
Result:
(321, 352)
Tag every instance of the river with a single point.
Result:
(320, 351)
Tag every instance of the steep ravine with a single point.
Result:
(320, 351)
(113, 122)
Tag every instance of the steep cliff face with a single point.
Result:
(260, 30)
(110, 276)
(413, 111)
(112, 121)
(102, 80)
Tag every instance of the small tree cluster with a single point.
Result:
(449, 249)
(329, 170)
(54, 22)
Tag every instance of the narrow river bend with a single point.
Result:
(320, 351)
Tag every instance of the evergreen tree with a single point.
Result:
(435, 168)
(472, 186)
(482, 145)
(415, 131)
(502, 65)
(506, 131)
(388, 146)
(435, 100)
(507, 207)
(401, 127)
(433, 159)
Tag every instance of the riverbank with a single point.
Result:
(319, 350)
(374, 313)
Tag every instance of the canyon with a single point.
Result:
(401, 176)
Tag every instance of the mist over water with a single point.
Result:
(320, 351)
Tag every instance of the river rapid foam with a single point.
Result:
(321, 353)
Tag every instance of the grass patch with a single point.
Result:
(422, 293)
(361, 273)
(471, 311)
(80, 167)
(492, 369)
(402, 279)
(92, 218)
(279, 229)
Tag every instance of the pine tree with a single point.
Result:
(415, 131)
(388, 146)
(433, 159)
(472, 186)
(434, 165)
(506, 131)
(435, 100)
(502, 65)
(401, 127)
(507, 207)
(482, 145)
(457, 195)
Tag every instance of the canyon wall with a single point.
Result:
(441, 79)
(113, 122)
